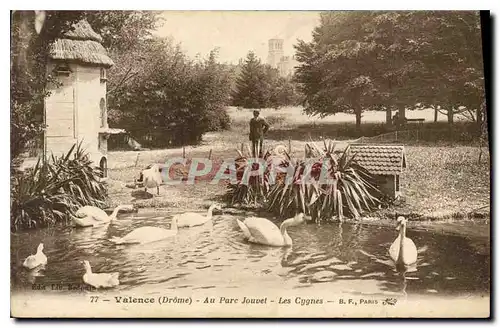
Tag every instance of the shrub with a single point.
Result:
(172, 100)
(255, 190)
(48, 193)
(275, 119)
(218, 120)
(352, 193)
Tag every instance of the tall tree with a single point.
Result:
(437, 59)
(337, 68)
(252, 89)
(360, 60)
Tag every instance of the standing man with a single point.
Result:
(258, 127)
(395, 120)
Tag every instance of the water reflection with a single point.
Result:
(345, 257)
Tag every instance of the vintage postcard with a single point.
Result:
(250, 164)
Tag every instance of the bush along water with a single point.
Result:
(301, 185)
(52, 190)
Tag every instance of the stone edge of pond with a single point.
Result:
(456, 216)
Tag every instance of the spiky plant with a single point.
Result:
(252, 190)
(47, 193)
(350, 191)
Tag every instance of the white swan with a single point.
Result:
(262, 231)
(152, 178)
(403, 250)
(144, 235)
(90, 216)
(190, 219)
(99, 280)
(35, 260)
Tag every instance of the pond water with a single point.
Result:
(349, 258)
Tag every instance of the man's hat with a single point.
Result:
(256, 112)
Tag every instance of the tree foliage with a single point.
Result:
(252, 90)
(171, 98)
(374, 60)
(155, 91)
(29, 53)
(122, 29)
(259, 86)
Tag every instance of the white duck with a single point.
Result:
(403, 250)
(262, 231)
(98, 280)
(152, 178)
(191, 219)
(91, 216)
(144, 235)
(35, 260)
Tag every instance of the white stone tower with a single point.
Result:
(275, 52)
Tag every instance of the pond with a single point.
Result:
(345, 258)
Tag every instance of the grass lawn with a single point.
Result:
(445, 182)
(440, 182)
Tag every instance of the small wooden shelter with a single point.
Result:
(385, 162)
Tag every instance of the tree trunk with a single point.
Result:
(358, 117)
(388, 116)
(450, 116)
(402, 112)
(435, 114)
(402, 117)
(479, 119)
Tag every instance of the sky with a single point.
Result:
(237, 32)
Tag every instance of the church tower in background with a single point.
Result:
(275, 52)
(277, 59)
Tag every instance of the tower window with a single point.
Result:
(62, 70)
(103, 75)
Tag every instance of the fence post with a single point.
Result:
(137, 159)
(210, 154)
(289, 146)
(183, 151)
(396, 135)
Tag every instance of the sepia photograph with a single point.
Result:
(250, 164)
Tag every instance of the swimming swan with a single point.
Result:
(190, 219)
(262, 231)
(144, 235)
(152, 178)
(99, 280)
(403, 250)
(36, 260)
(90, 216)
